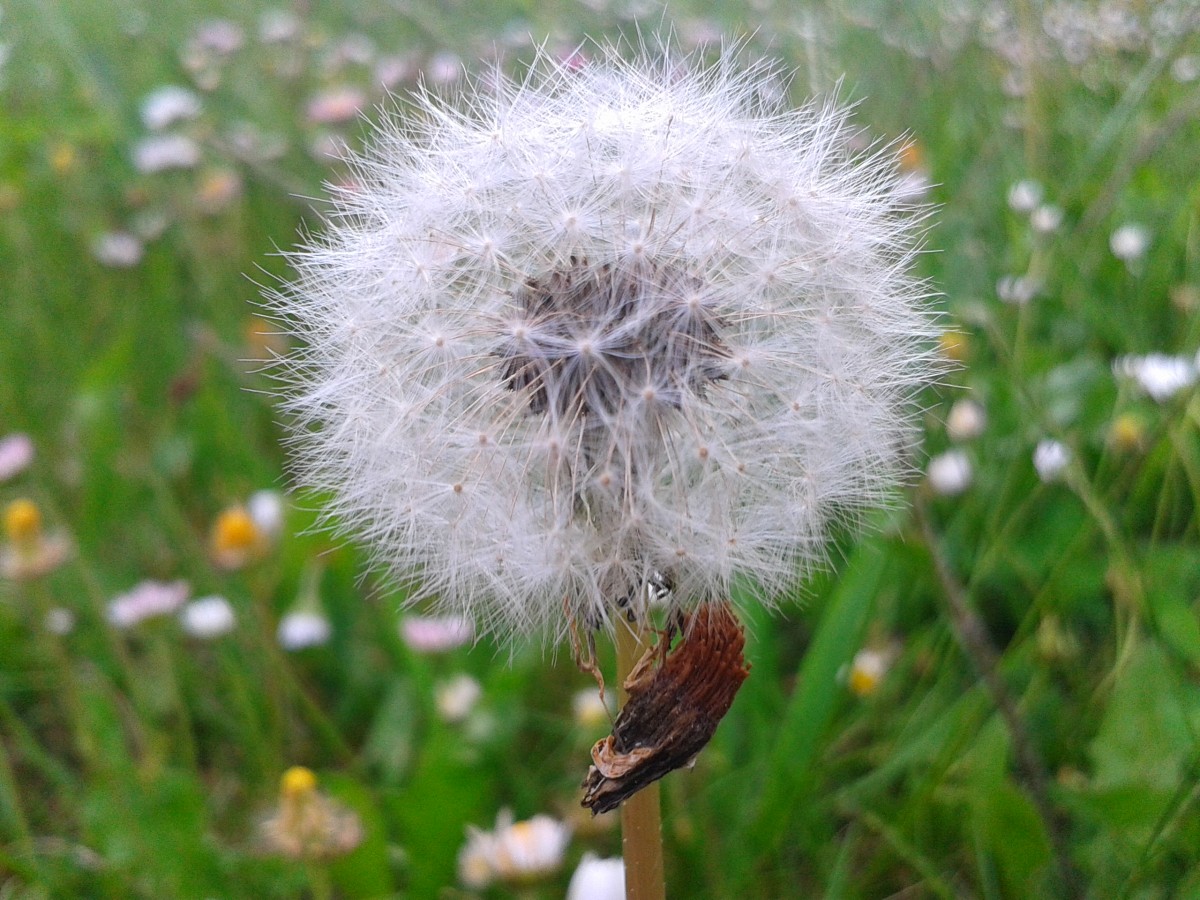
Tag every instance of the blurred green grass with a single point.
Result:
(140, 763)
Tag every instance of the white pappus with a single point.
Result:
(609, 320)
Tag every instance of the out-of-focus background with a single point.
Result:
(995, 693)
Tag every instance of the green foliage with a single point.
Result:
(142, 762)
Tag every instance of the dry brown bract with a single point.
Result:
(674, 707)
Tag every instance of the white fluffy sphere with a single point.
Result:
(611, 320)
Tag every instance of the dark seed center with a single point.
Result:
(592, 341)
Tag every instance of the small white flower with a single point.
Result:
(59, 621)
(1046, 219)
(16, 454)
(867, 669)
(169, 104)
(456, 698)
(598, 879)
(117, 249)
(1024, 196)
(335, 105)
(1017, 289)
(279, 26)
(1159, 375)
(208, 617)
(950, 473)
(1186, 68)
(1129, 243)
(302, 628)
(966, 420)
(391, 70)
(615, 318)
(1050, 459)
(514, 851)
(436, 634)
(162, 152)
(221, 36)
(266, 511)
(148, 599)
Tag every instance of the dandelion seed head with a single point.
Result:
(613, 319)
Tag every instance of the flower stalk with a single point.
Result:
(641, 814)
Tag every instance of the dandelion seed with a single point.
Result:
(16, 455)
(307, 825)
(598, 879)
(208, 618)
(615, 319)
(147, 600)
(950, 473)
(1050, 460)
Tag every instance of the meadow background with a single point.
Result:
(994, 693)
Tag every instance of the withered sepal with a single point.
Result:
(673, 708)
